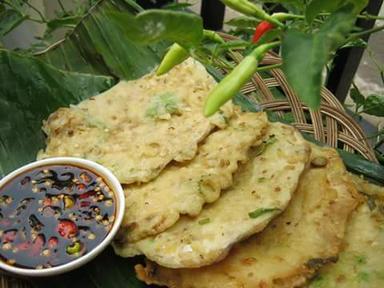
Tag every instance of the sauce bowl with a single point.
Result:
(104, 176)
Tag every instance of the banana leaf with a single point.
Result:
(99, 46)
(29, 91)
(106, 271)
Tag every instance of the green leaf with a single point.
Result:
(29, 91)
(9, 19)
(99, 46)
(305, 55)
(357, 97)
(261, 211)
(294, 6)
(177, 6)
(335, 29)
(355, 163)
(154, 25)
(69, 21)
(315, 7)
(243, 22)
(380, 156)
(304, 58)
(374, 105)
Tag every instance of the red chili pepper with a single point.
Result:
(23, 246)
(262, 28)
(87, 194)
(67, 229)
(81, 187)
(37, 245)
(52, 242)
(85, 204)
(9, 236)
(47, 202)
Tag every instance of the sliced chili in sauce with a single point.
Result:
(52, 215)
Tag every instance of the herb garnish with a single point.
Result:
(263, 146)
(204, 221)
(260, 211)
(163, 104)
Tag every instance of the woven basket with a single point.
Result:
(330, 125)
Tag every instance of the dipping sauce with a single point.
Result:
(52, 215)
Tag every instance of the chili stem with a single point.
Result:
(269, 67)
(360, 16)
(369, 31)
(370, 17)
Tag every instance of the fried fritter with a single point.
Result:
(361, 264)
(155, 206)
(136, 128)
(365, 187)
(262, 189)
(305, 236)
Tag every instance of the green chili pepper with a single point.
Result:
(250, 9)
(175, 55)
(213, 36)
(178, 54)
(73, 248)
(232, 83)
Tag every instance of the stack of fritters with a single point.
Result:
(227, 201)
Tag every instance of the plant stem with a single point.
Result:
(282, 16)
(268, 67)
(369, 17)
(35, 20)
(369, 31)
(360, 16)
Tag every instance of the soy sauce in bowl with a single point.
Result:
(52, 215)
